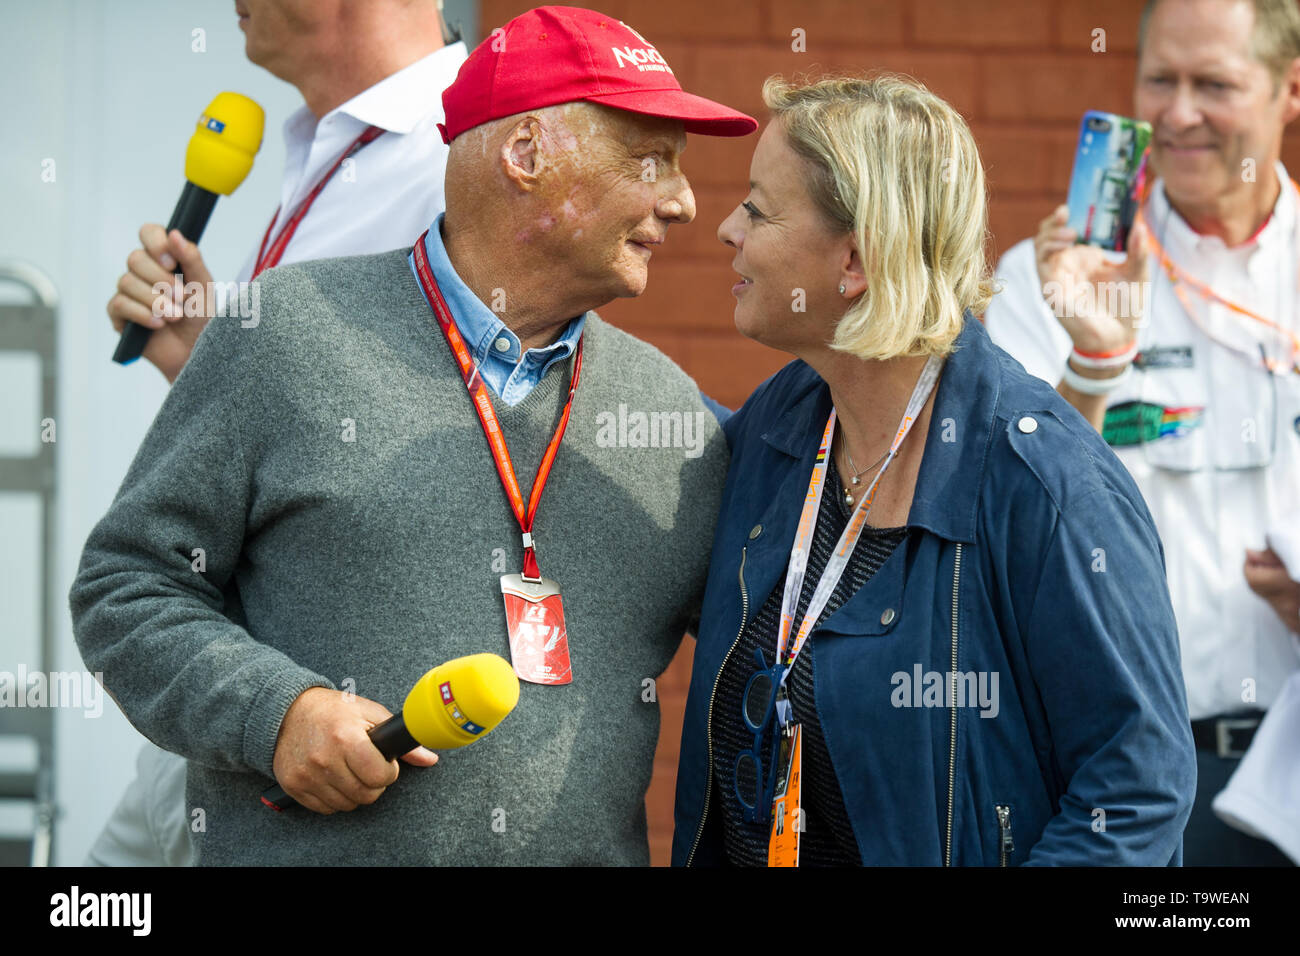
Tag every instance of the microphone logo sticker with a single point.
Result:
(211, 123)
(457, 715)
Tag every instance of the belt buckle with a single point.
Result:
(1223, 730)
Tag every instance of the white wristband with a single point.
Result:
(1110, 361)
(1094, 386)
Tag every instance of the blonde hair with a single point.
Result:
(898, 168)
(1274, 39)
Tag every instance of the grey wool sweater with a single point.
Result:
(328, 464)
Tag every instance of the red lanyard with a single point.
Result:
(479, 395)
(269, 258)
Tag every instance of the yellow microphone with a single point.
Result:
(451, 706)
(457, 703)
(226, 137)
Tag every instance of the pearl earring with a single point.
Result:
(841, 288)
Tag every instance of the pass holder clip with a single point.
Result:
(784, 713)
(530, 548)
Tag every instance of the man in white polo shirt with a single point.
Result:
(1195, 383)
(379, 66)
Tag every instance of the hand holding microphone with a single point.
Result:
(218, 158)
(337, 751)
(324, 758)
(160, 258)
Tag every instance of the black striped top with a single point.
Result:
(828, 838)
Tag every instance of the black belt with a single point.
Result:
(1228, 736)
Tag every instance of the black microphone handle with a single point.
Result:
(191, 217)
(391, 737)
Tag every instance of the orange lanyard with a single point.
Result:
(482, 400)
(270, 258)
(1179, 277)
(838, 562)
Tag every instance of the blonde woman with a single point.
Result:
(937, 629)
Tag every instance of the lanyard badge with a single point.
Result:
(539, 639)
(787, 814)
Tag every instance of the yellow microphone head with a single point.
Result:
(458, 702)
(227, 137)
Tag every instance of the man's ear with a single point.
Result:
(519, 153)
(853, 274)
(1291, 92)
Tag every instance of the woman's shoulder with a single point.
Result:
(781, 392)
(1040, 444)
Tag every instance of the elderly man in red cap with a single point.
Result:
(374, 515)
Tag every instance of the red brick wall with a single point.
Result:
(1022, 72)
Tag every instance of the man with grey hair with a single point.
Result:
(330, 462)
(1194, 381)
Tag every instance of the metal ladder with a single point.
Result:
(32, 329)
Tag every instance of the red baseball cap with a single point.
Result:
(552, 55)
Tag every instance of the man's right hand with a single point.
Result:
(1082, 286)
(1100, 303)
(324, 757)
(157, 261)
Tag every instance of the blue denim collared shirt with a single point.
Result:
(496, 350)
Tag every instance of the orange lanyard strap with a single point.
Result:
(787, 650)
(270, 258)
(1179, 277)
(482, 401)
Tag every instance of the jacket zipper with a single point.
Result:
(952, 722)
(1005, 843)
(708, 727)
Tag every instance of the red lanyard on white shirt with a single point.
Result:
(482, 401)
(839, 558)
(269, 258)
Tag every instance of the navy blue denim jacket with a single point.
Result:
(1032, 570)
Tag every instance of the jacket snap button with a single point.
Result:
(1028, 425)
(755, 531)
(888, 617)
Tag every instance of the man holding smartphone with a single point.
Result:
(1184, 352)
